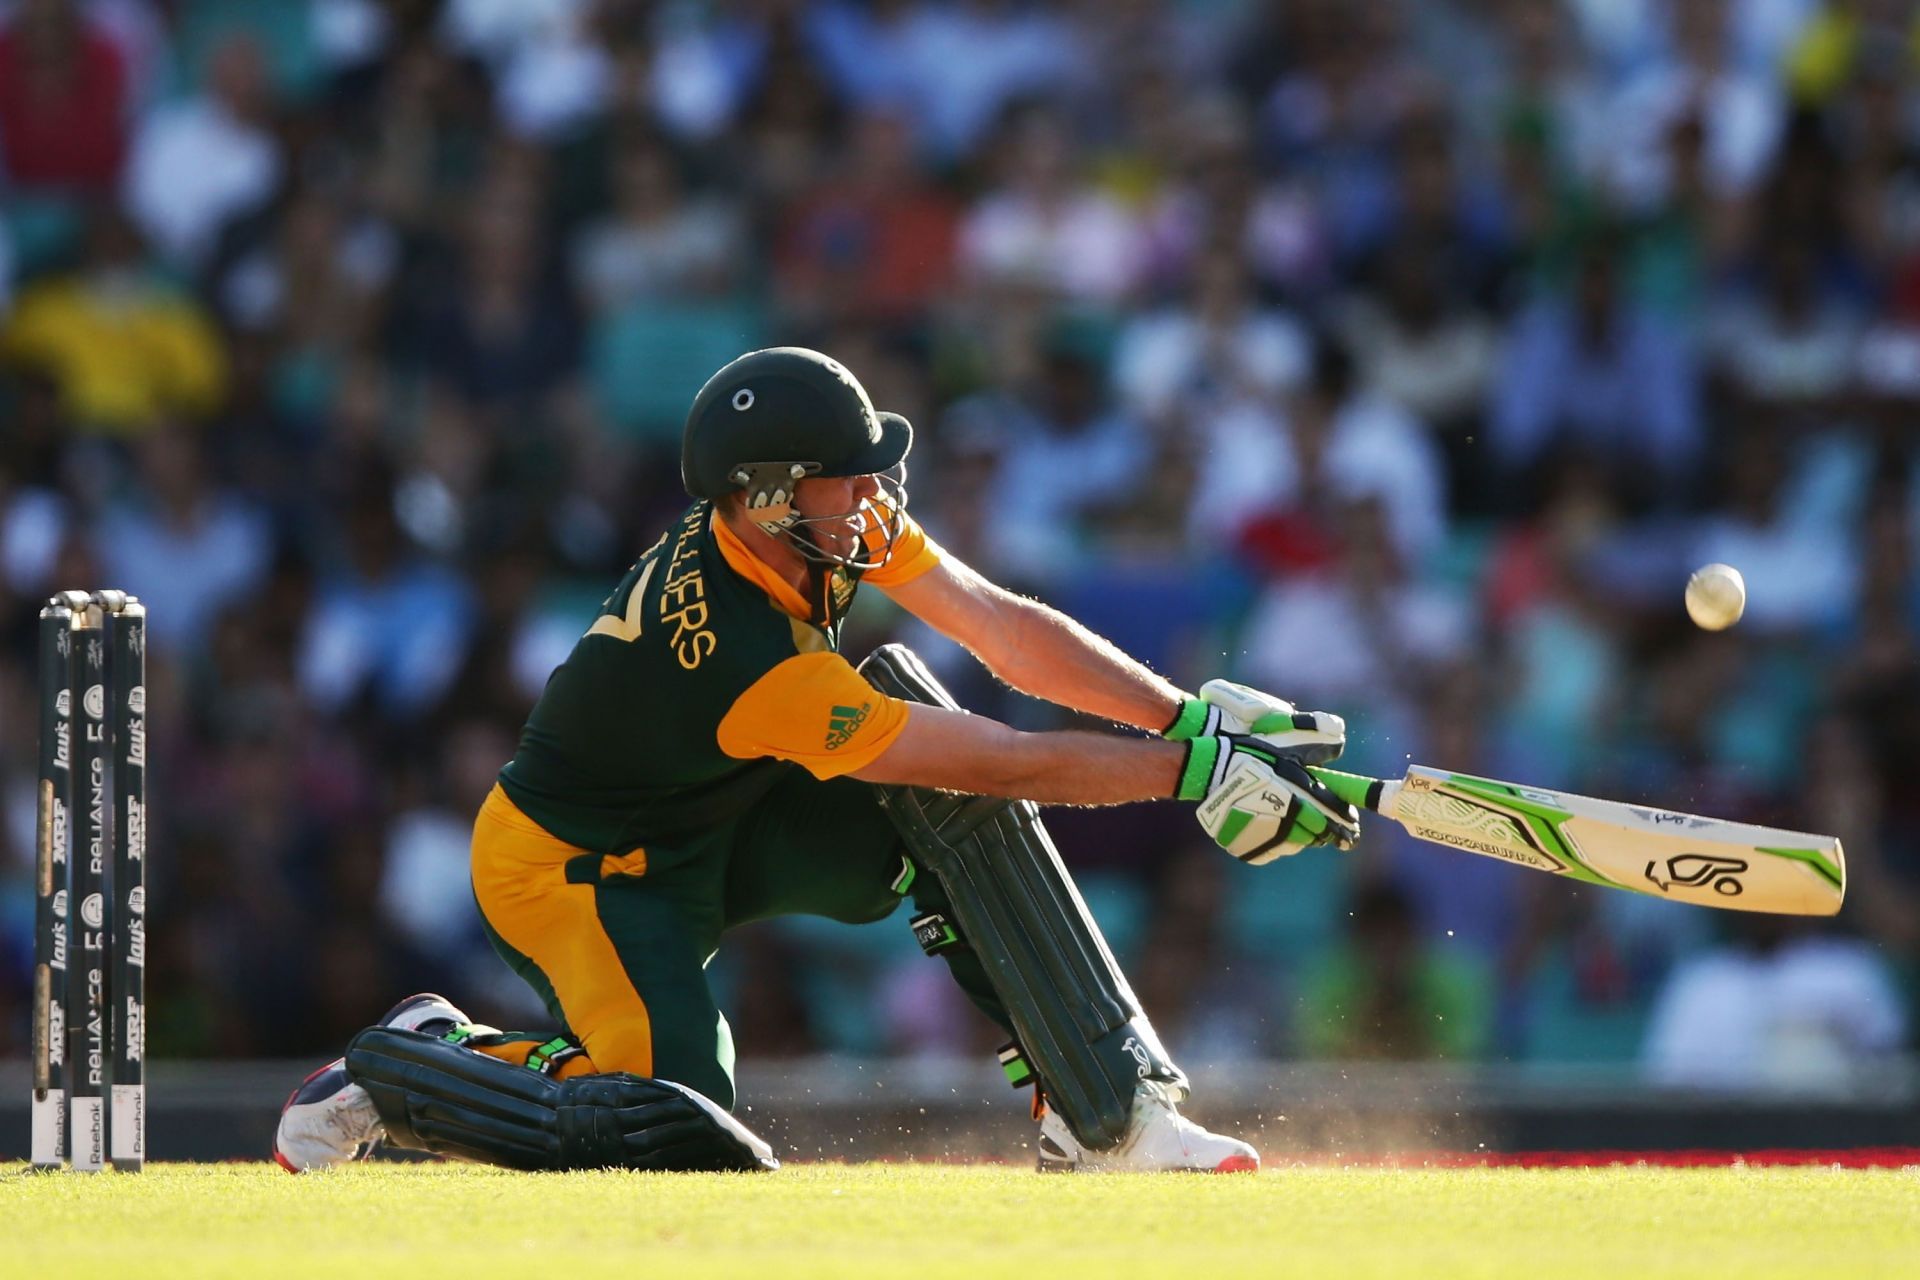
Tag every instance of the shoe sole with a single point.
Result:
(1232, 1164)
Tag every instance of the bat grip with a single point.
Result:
(1356, 789)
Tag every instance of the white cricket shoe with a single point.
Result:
(328, 1119)
(1159, 1140)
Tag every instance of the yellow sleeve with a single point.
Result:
(815, 710)
(913, 554)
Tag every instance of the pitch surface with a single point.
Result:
(930, 1221)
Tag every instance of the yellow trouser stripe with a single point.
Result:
(520, 881)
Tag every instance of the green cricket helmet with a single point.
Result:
(771, 418)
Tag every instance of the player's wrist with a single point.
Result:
(1194, 719)
(1196, 775)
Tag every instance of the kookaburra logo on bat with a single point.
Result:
(1694, 870)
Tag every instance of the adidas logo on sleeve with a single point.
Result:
(844, 722)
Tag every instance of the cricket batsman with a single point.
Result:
(707, 757)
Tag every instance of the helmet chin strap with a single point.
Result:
(823, 609)
(830, 578)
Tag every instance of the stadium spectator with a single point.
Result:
(388, 628)
(1385, 993)
(199, 163)
(125, 345)
(1221, 198)
(35, 513)
(1790, 518)
(195, 550)
(1774, 1008)
(1428, 348)
(6, 270)
(1593, 372)
(872, 240)
(63, 101)
(1376, 626)
(1067, 452)
(499, 327)
(658, 242)
(427, 287)
(1335, 113)
(1703, 73)
(1335, 443)
(1788, 348)
(424, 871)
(954, 66)
(1043, 228)
(1442, 207)
(1183, 364)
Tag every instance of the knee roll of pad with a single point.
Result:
(437, 1096)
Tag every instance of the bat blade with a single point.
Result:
(1678, 856)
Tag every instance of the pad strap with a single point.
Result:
(548, 1058)
(1019, 1071)
(934, 932)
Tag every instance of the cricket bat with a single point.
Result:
(1702, 861)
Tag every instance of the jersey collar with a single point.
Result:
(757, 571)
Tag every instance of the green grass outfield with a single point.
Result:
(922, 1222)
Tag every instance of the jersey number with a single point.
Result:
(627, 627)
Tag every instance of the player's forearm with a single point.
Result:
(953, 751)
(1069, 767)
(1044, 653)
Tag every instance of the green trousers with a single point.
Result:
(806, 848)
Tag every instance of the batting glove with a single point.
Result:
(1258, 804)
(1223, 707)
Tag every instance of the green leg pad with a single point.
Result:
(1074, 1016)
(436, 1096)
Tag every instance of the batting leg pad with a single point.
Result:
(1075, 1017)
(433, 1095)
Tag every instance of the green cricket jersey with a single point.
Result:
(705, 680)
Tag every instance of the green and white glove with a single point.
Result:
(1259, 804)
(1311, 737)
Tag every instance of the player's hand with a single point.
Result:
(1258, 804)
(1311, 737)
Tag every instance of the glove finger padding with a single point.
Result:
(1261, 806)
(1243, 702)
(1226, 707)
(1310, 737)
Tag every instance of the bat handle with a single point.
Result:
(1356, 789)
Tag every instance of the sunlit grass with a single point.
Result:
(920, 1222)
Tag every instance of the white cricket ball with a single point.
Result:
(1716, 596)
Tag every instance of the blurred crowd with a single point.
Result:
(1399, 356)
